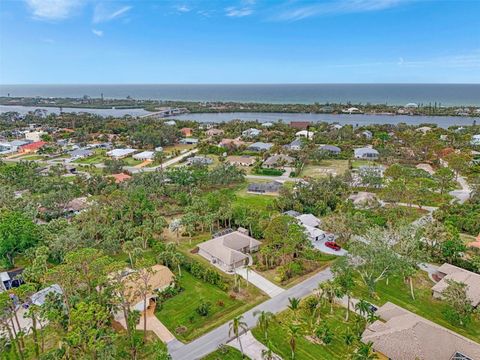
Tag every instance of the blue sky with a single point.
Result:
(245, 41)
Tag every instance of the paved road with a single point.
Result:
(167, 163)
(209, 342)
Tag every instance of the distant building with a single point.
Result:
(367, 134)
(278, 161)
(189, 141)
(199, 160)
(32, 148)
(231, 143)
(80, 153)
(411, 106)
(245, 160)
(295, 145)
(305, 133)
(260, 146)
(118, 154)
(34, 136)
(187, 132)
(144, 155)
(271, 188)
(170, 123)
(214, 132)
(352, 110)
(366, 153)
(251, 133)
(267, 124)
(301, 125)
(40, 296)
(475, 139)
(119, 178)
(334, 150)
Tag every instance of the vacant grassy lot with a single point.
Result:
(179, 313)
(306, 349)
(325, 168)
(227, 353)
(424, 305)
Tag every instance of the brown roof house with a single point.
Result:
(161, 278)
(229, 251)
(244, 160)
(451, 272)
(279, 160)
(402, 335)
(214, 132)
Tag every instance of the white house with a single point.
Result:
(250, 133)
(34, 135)
(366, 153)
(120, 153)
(144, 155)
(305, 133)
(475, 139)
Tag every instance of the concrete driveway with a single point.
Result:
(320, 245)
(260, 282)
(251, 347)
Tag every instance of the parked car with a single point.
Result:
(333, 245)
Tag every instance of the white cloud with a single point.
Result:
(291, 13)
(104, 13)
(183, 8)
(233, 11)
(98, 33)
(53, 9)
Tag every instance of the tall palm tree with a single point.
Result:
(265, 319)
(363, 307)
(294, 304)
(236, 327)
(293, 333)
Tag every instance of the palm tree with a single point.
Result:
(348, 338)
(363, 307)
(128, 247)
(331, 291)
(365, 352)
(265, 318)
(294, 304)
(236, 327)
(293, 333)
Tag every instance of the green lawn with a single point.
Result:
(32, 157)
(180, 311)
(325, 168)
(129, 161)
(254, 201)
(226, 353)
(306, 349)
(398, 293)
(97, 158)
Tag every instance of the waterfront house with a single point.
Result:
(300, 125)
(229, 251)
(366, 153)
(402, 335)
(251, 133)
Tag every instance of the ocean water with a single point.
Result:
(392, 94)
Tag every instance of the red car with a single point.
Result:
(333, 245)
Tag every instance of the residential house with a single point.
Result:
(424, 129)
(10, 279)
(300, 125)
(187, 132)
(244, 160)
(267, 124)
(119, 178)
(34, 136)
(475, 139)
(411, 106)
(214, 132)
(170, 123)
(305, 133)
(367, 134)
(199, 160)
(336, 126)
(279, 160)
(189, 141)
(32, 147)
(40, 297)
(451, 272)
(260, 146)
(366, 153)
(352, 110)
(118, 154)
(6, 148)
(271, 188)
(229, 251)
(311, 223)
(80, 153)
(295, 145)
(403, 335)
(231, 143)
(144, 155)
(161, 278)
(251, 133)
(331, 149)
(77, 205)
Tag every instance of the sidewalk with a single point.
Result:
(260, 282)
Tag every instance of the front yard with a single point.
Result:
(325, 168)
(424, 305)
(226, 353)
(307, 347)
(179, 314)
